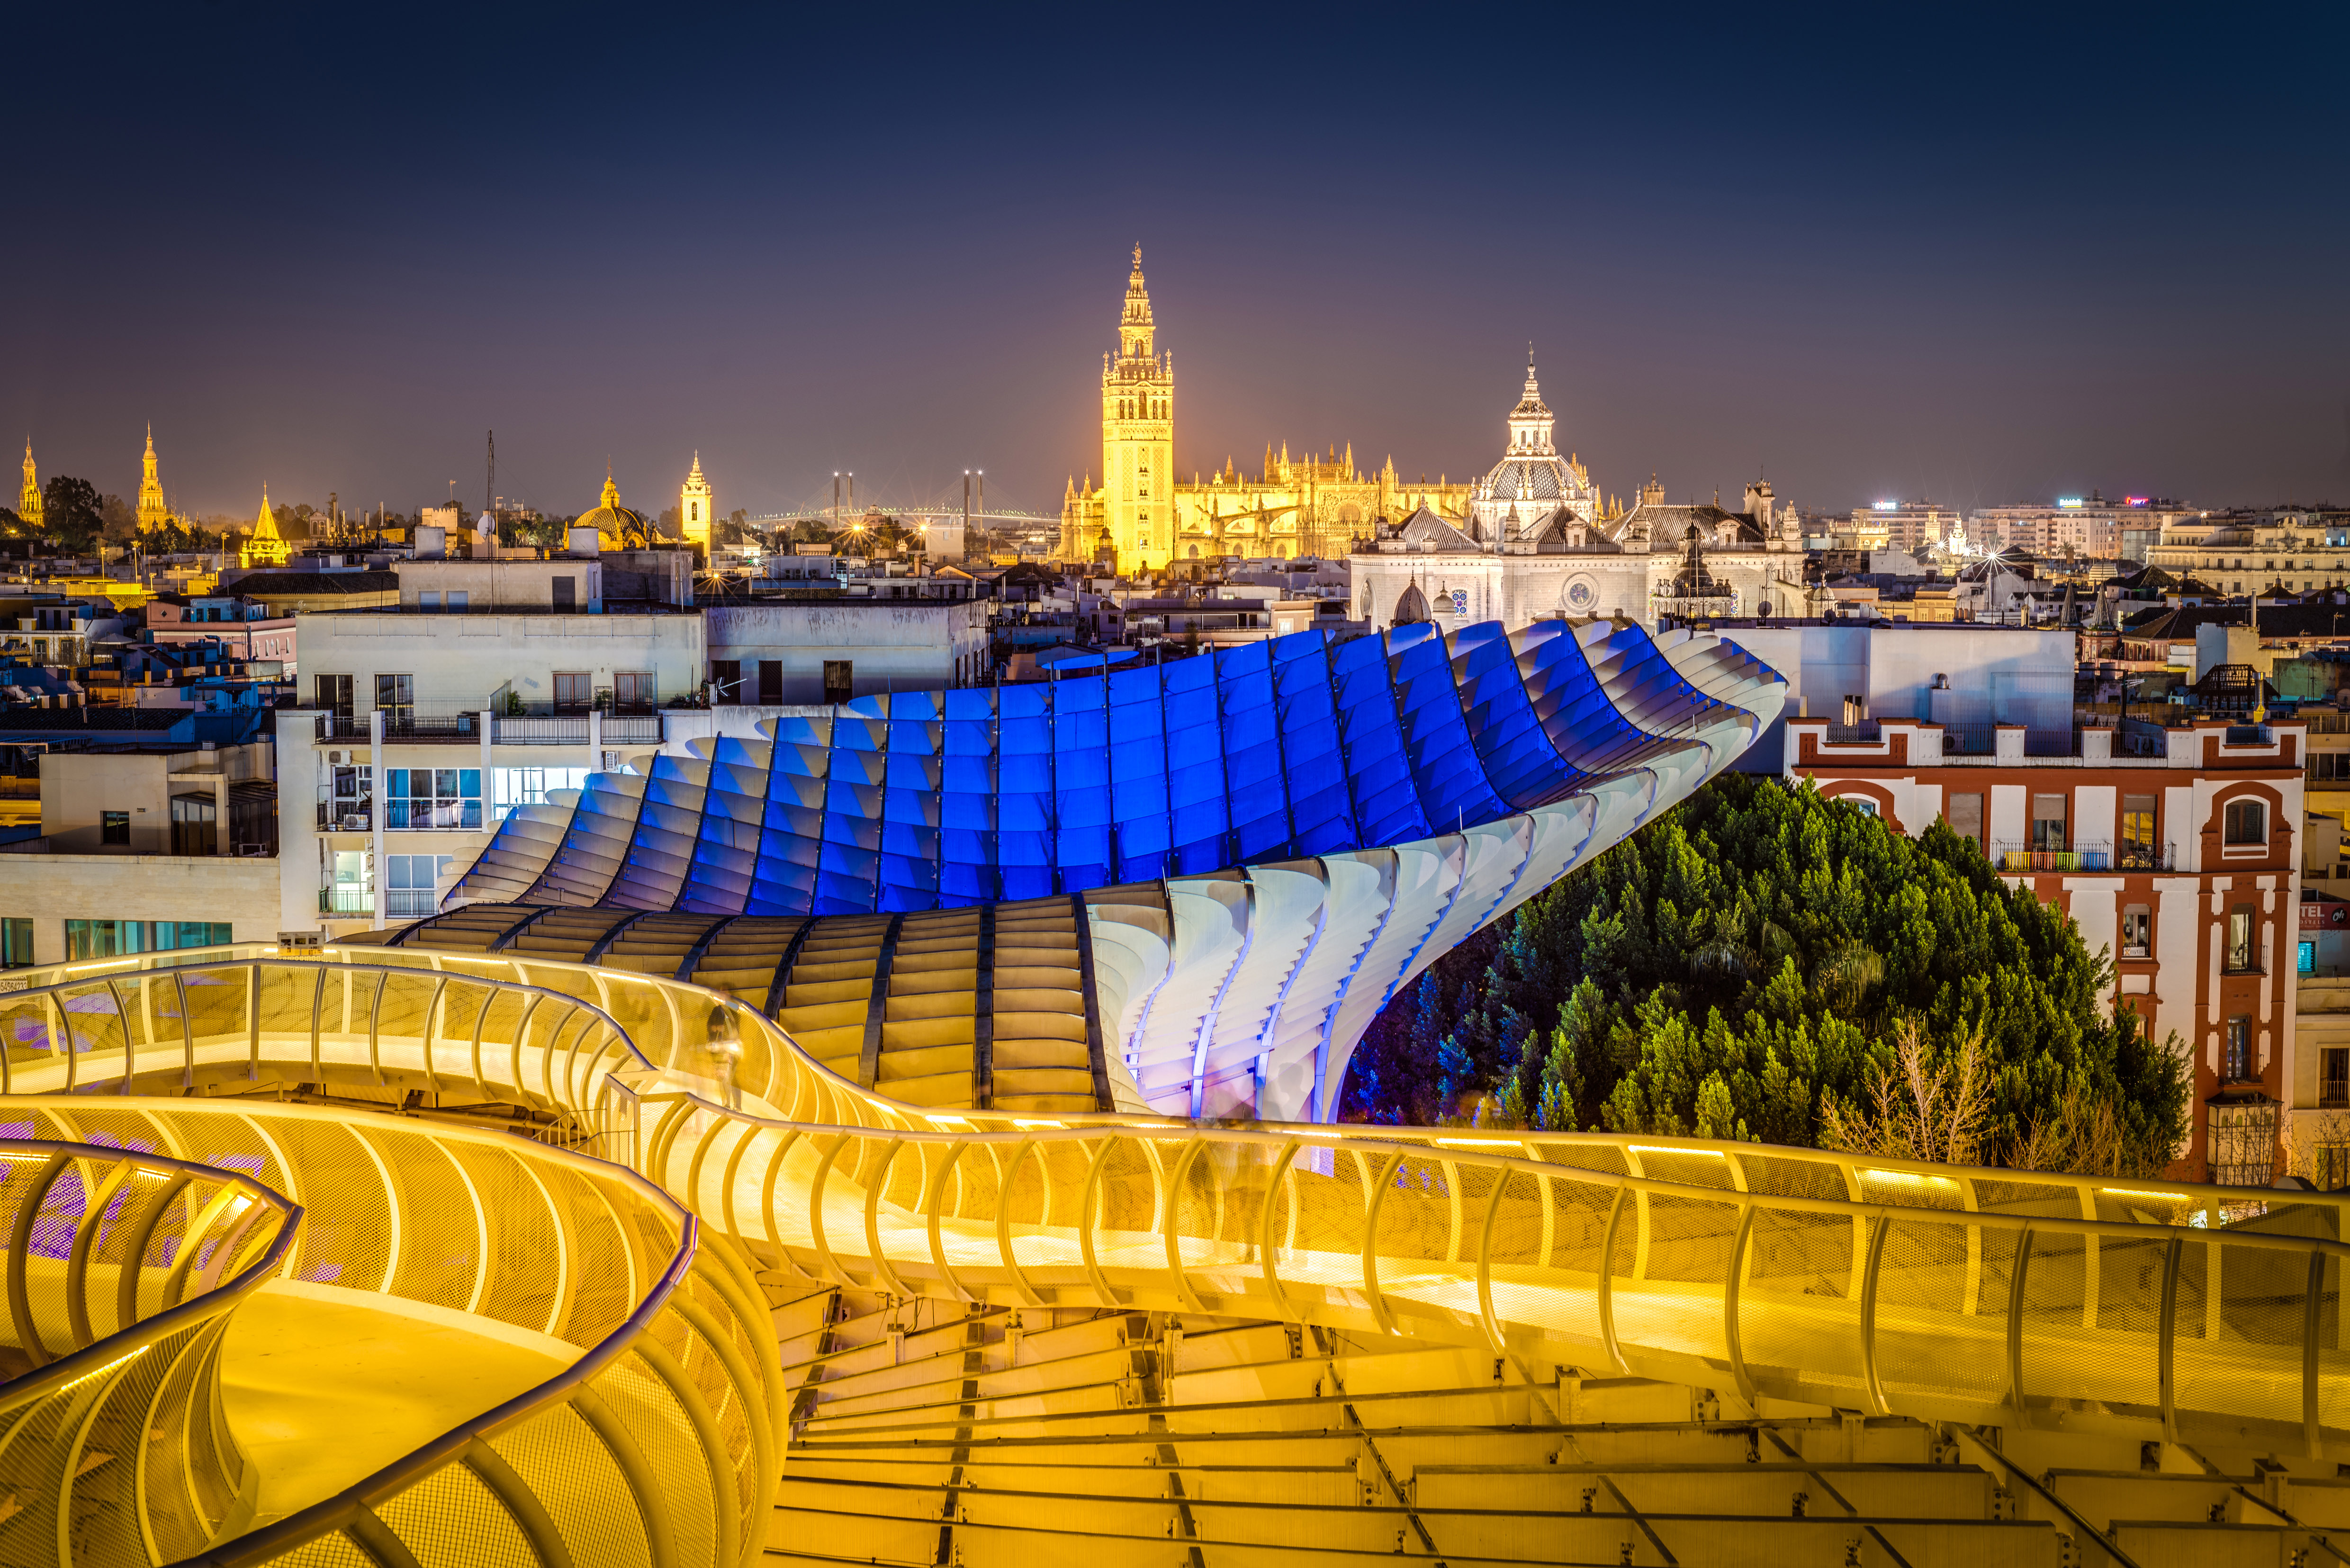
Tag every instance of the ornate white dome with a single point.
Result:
(1531, 483)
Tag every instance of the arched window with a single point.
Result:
(2247, 822)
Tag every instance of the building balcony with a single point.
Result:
(539, 724)
(346, 898)
(2084, 857)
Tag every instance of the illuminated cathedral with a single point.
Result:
(1141, 517)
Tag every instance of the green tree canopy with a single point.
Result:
(71, 513)
(1752, 952)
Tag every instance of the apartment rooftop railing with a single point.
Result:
(635, 723)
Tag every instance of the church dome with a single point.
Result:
(617, 526)
(1411, 605)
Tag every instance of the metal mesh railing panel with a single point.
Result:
(450, 1520)
(650, 1412)
(180, 1511)
(566, 1466)
(706, 1375)
(333, 1550)
(1799, 1306)
(104, 1527)
(1927, 1338)
(601, 1290)
(438, 1208)
(519, 1289)
(347, 1242)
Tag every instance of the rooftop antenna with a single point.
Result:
(490, 482)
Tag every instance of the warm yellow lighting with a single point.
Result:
(110, 1366)
(1018, 1123)
(1483, 1142)
(1914, 1178)
(2141, 1192)
(1667, 1148)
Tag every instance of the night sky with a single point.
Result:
(1981, 256)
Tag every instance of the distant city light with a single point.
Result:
(1889, 506)
(2073, 501)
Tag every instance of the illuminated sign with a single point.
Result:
(2133, 500)
(1889, 506)
(2069, 501)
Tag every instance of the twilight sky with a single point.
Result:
(1986, 257)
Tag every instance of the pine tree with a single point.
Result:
(1745, 958)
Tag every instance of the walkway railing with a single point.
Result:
(1804, 1275)
(655, 1437)
(122, 1268)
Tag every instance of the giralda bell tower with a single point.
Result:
(1138, 437)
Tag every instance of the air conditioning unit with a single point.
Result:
(355, 823)
(339, 759)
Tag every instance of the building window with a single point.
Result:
(15, 941)
(1965, 817)
(459, 598)
(2331, 1167)
(574, 692)
(2236, 1064)
(120, 939)
(434, 797)
(771, 682)
(564, 592)
(2305, 961)
(528, 786)
(2137, 931)
(429, 600)
(2239, 939)
(839, 679)
(196, 825)
(409, 883)
(1860, 802)
(345, 799)
(632, 692)
(2247, 822)
(114, 827)
(2334, 1077)
(333, 692)
(2047, 822)
(396, 695)
(2137, 834)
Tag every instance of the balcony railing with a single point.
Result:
(2078, 857)
(346, 898)
(1865, 732)
(539, 725)
(410, 903)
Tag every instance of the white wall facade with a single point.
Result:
(891, 645)
(475, 659)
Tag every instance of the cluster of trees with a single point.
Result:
(1762, 963)
(73, 515)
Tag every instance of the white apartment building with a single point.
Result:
(785, 651)
(423, 727)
